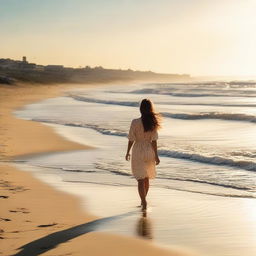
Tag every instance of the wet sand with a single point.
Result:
(35, 218)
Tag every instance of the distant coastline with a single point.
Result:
(12, 71)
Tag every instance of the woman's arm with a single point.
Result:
(130, 143)
(154, 145)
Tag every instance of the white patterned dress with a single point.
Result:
(143, 156)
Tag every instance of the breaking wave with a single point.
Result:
(214, 160)
(212, 115)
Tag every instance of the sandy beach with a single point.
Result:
(127, 128)
(35, 218)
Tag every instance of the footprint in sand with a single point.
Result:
(3, 219)
(22, 210)
(47, 225)
(4, 197)
(1, 233)
(7, 185)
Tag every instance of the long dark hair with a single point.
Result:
(150, 119)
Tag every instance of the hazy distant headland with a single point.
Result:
(12, 71)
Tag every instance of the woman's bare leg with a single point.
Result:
(146, 183)
(142, 193)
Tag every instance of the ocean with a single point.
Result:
(207, 142)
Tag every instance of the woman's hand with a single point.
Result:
(157, 160)
(127, 157)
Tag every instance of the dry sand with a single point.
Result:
(34, 215)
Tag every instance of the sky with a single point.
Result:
(197, 37)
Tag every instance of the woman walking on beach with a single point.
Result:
(143, 141)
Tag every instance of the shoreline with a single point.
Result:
(32, 209)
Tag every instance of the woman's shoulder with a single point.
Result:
(136, 120)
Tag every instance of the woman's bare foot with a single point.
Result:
(144, 205)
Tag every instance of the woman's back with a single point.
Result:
(137, 132)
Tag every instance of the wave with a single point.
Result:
(163, 180)
(245, 192)
(233, 186)
(186, 116)
(205, 93)
(122, 103)
(115, 169)
(136, 103)
(244, 154)
(213, 84)
(101, 130)
(212, 115)
(214, 160)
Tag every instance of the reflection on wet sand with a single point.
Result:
(144, 227)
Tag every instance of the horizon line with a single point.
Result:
(226, 76)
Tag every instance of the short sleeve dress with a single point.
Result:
(143, 156)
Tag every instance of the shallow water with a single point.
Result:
(207, 149)
(201, 151)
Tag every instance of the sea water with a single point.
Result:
(207, 136)
(207, 142)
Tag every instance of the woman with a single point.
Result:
(143, 137)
